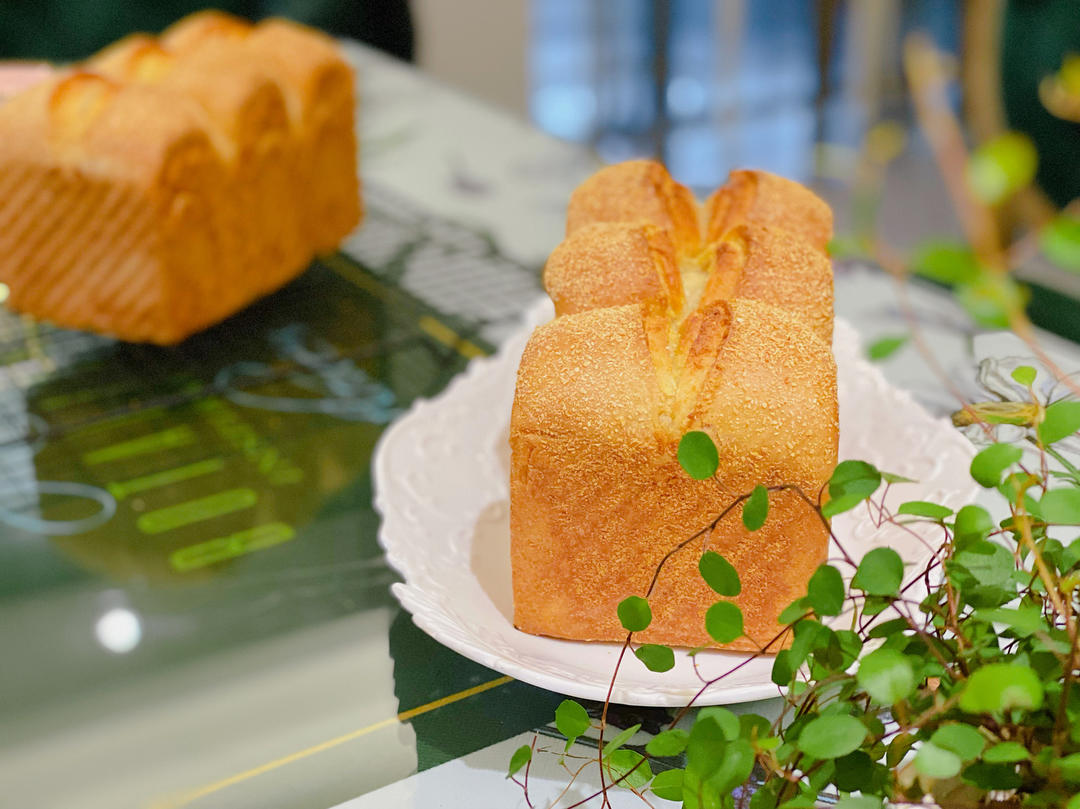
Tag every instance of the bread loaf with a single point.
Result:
(166, 183)
(606, 391)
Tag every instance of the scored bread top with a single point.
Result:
(753, 375)
(633, 234)
(768, 199)
(637, 190)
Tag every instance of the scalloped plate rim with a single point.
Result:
(415, 589)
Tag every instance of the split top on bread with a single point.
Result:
(673, 319)
(636, 235)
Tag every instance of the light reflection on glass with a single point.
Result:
(119, 630)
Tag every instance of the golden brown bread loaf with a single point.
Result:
(606, 391)
(168, 182)
(633, 235)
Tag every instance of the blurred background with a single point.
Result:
(703, 84)
(791, 86)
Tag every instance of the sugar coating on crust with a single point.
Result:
(768, 199)
(612, 263)
(632, 191)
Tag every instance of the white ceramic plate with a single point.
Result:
(441, 486)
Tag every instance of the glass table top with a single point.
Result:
(175, 522)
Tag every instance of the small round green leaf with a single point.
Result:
(880, 573)
(656, 657)
(887, 675)
(921, 508)
(794, 611)
(854, 477)
(846, 247)
(634, 614)
(727, 720)
(988, 466)
(988, 563)
(724, 622)
(629, 769)
(571, 719)
(997, 687)
(825, 591)
(1024, 374)
(947, 262)
(782, 669)
(668, 743)
(964, 740)
(892, 477)
(885, 347)
(1006, 753)
(736, 764)
(697, 455)
(854, 772)
(888, 628)
(1023, 622)
(521, 757)
(719, 574)
(1061, 506)
(898, 749)
(973, 523)
(838, 505)
(850, 646)
(1001, 167)
(756, 508)
(851, 483)
(831, 736)
(706, 745)
(859, 802)
(991, 300)
(936, 762)
(810, 635)
(1060, 241)
(1069, 767)
(668, 785)
(620, 739)
(756, 728)
(992, 776)
(1060, 420)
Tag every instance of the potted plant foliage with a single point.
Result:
(954, 685)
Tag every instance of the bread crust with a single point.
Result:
(768, 199)
(637, 190)
(613, 263)
(597, 494)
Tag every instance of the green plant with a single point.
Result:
(962, 694)
(956, 682)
